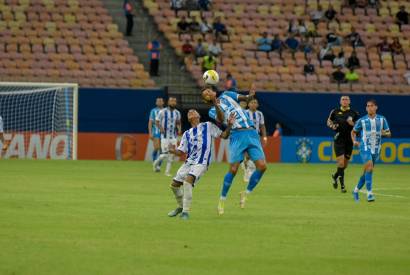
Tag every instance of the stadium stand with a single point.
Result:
(66, 41)
(246, 20)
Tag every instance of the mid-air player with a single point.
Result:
(243, 139)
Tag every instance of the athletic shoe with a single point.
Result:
(343, 188)
(242, 199)
(370, 198)
(155, 166)
(168, 174)
(334, 181)
(355, 196)
(184, 216)
(175, 212)
(221, 206)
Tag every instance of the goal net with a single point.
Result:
(39, 120)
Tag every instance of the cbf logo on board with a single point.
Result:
(304, 150)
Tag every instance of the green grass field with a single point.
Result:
(101, 217)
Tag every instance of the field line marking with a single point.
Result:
(385, 195)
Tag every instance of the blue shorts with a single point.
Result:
(367, 155)
(245, 141)
(156, 135)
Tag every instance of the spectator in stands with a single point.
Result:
(277, 45)
(339, 61)
(306, 46)
(154, 48)
(354, 38)
(333, 39)
(384, 48)
(230, 83)
(200, 50)
(176, 5)
(302, 29)
(317, 15)
(330, 15)
(352, 76)
(220, 29)
(129, 15)
(353, 4)
(338, 76)
(205, 27)
(183, 27)
(407, 77)
(190, 5)
(264, 43)
(293, 27)
(209, 63)
(187, 51)
(402, 17)
(215, 49)
(292, 44)
(353, 61)
(323, 52)
(309, 68)
(204, 5)
(396, 47)
(374, 4)
(194, 26)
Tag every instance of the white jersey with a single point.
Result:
(257, 118)
(197, 143)
(371, 130)
(1, 125)
(168, 120)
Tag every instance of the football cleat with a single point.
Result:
(184, 216)
(242, 199)
(221, 206)
(175, 212)
(355, 196)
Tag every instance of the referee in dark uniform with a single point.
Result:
(342, 120)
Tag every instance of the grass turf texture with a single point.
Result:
(97, 217)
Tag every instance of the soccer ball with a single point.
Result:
(211, 77)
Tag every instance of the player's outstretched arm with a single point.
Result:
(264, 135)
(250, 96)
(231, 120)
(220, 117)
(330, 122)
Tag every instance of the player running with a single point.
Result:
(342, 120)
(372, 128)
(153, 130)
(259, 122)
(243, 139)
(169, 123)
(197, 144)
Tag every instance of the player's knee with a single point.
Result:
(176, 183)
(233, 169)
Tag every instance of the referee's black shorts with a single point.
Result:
(343, 147)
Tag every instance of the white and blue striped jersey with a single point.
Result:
(229, 103)
(1, 125)
(153, 117)
(370, 130)
(257, 118)
(168, 119)
(197, 143)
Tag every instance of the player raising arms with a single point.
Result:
(153, 130)
(243, 139)
(342, 120)
(196, 143)
(259, 122)
(169, 123)
(371, 128)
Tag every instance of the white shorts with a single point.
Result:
(166, 142)
(196, 170)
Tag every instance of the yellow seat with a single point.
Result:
(263, 10)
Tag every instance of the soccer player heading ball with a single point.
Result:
(197, 144)
(243, 139)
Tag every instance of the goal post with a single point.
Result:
(40, 120)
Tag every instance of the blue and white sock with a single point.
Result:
(227, 184)
(254, 180)
(369, 181)
(360, 184)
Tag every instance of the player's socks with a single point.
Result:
(178, 193)
(360, 184)
(254, 180)
(187, 197)
(368, 178)
(342, 179)
(221, 206)
(227, 184)
(169, 163)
